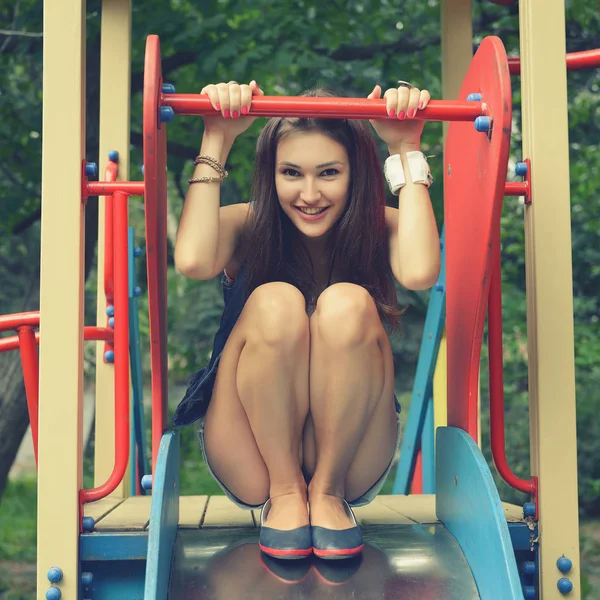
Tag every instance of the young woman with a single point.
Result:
(297, 406)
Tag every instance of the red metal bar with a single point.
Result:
(516, 188)
(30, 366)
(110, 175)
(417, 480)
(121, 333)
(90, 334)
(11, 322)
(576, 61)
(107, 188)
(497, 382)
(331, 108)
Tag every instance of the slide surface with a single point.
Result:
(399, 561)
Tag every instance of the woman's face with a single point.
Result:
(312, 178)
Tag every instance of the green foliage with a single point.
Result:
(17, 521)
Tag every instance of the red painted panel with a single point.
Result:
(155, 197)
(474, 178)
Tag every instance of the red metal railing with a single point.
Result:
(576, 61)
(26, 342)
(107, 188)
(330, 108)
(496, 369)
(121, 343)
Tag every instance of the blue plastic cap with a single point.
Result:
(521, 169)
(110, 310)
(55, 575)
(167, 114)
(137, 252)
(168, 88)
(137, 291)
(87, 578)
(113, 155)
(87, 523)
(564, 564)
(91, 169)
(142, 169)
(147, 482)
(111, 322)
(529, 592)
(109, 356)
(483, 124)
(439, 287)
(564, 585)
(529, 568)
(53, 593)
(474, 98)
(529, 509)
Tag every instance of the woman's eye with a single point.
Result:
(290, 172)
(330, 172)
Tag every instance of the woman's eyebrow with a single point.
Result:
(327, 164)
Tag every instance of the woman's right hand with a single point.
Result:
(234, 101)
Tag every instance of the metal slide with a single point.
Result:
(411, 562)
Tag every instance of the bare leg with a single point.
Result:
(269, 383)
(351, 402)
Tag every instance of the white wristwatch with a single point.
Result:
(417, 165)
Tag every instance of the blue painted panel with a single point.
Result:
(164, 517)
(113, 546)
(428, 450)
(468, 504)
(521, 536)
(115, 580)
(423, 385)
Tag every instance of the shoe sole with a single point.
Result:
(286, 554)
(338, 554)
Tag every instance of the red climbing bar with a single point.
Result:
(108, 188)
(31, 376)
(331, 108)
(121, 341)
(576, 61)
(515, 188)
(497, 382)
(89, 334)
(11, 322)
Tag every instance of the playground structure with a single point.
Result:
(153, 543)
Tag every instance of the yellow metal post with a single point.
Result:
(115, 75)
(61, 295)
(549, 289)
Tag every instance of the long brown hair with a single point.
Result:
(358, 244)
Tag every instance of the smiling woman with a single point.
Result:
(297, 404)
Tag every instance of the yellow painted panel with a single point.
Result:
(99, 509)
(115, 75)
(549, 288)
(440, 387)
(191, 511)
(222, 512)
(61, 295)
(132, 514)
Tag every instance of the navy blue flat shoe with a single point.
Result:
(336, 544)
(285, 544)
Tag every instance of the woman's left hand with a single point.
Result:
(402, 103)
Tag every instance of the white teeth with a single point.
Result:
(311, 211)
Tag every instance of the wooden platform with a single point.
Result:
(204, 512)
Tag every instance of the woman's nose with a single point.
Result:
(310, 191)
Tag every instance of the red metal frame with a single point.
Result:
(155, 197)
(121, 342)
(110, 174)
(496, 370)
(26, 342)
(331, 108)
(576, 61)
(474, 183)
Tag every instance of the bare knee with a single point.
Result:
(346, 315)
(278, 315)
